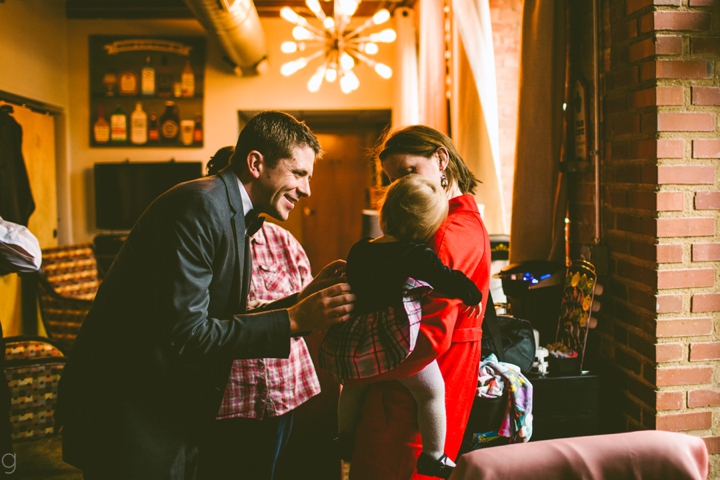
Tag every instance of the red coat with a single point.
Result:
(388, 442)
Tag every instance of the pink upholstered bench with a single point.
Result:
(649, 454)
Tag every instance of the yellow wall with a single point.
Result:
(45, 58)
(33, 50)
(225, 94)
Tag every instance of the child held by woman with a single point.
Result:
(389, 275)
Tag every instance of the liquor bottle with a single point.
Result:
(153, 129)
(170, 123)
(164, 79)
(128, 83)
(147, 75)
(118, 126)
(187, 80)
(138, 125)
(101, 129)
(197, 131)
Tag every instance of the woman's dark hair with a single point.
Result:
(425, 141)
(275, 135)
(220, 160)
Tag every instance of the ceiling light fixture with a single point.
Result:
(341, 49)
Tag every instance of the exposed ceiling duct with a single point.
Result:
(236, 26)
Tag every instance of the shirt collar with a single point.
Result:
(259, 237)
(246, 202)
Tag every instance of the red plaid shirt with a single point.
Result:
(272, 386)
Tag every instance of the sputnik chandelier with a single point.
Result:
(340, 48)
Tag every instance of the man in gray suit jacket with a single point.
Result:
(148, 369)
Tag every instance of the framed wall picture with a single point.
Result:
(146, 92)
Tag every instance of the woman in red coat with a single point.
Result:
(387, 441)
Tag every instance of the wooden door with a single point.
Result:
(332, 215)
(38, 147)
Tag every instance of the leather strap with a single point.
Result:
(491, 326)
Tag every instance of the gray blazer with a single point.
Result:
(152, 358)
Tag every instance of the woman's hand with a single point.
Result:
(473, 311)
(332, 274)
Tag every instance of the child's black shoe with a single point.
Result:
(434, 467)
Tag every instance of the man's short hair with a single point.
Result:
(274, 134)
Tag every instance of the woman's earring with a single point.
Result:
(444, 181)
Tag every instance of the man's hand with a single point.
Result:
(322, 309)
(333, 273)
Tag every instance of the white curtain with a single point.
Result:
(405, 101)
(474, 107)
(472, 19)
(475, 124)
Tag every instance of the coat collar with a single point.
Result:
(228, 176)
(465, 202)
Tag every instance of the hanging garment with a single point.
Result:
(16, 200)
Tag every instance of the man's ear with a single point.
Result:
(255, 163)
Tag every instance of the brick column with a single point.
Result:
(660, 322)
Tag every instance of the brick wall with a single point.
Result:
(660, 321)
(506, 17)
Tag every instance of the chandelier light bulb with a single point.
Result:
(329, 23)
(388, 35)
(352, 79)
(291, 67)
(383, 70)
(381, 16)
(289, 47)
(289, 14)
(371, 48)
(301, 33)
(346, 7)
(345, 84)
(288, 69)
(346, 61)
(314, 6)
(316, 80)
(331, 74)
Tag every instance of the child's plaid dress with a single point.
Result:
(373, 343)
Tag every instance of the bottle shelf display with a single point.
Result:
(146, 92)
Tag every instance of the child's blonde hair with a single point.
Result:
(413, 208)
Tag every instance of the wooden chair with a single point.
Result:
(68, 284)
(33, 366)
